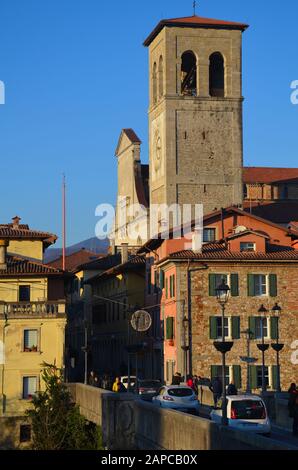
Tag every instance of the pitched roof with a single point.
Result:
(21, 266)
(269, 175)
(133, 263)
(131, 135)
(194, 22)
(74, 260)
(219, 252)
(101, 264)
(160, 237)
(278, 212)
(24, 232)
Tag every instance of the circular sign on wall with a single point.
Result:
(141, 320)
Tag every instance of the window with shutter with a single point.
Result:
(169, 328)
(213, 327)
(235, 327)
(274, 327)
(234, 285)
(273, 285)
(237, 376)
(161, 279)
(274, 377)
(252, 327)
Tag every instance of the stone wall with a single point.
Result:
(130, 423)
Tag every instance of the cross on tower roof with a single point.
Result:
(194, 7)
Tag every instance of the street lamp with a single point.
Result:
(263, 347)
(185, 345)
(249, 360)
(277, 346)
(222, 295)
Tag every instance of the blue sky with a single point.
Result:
(76, 73)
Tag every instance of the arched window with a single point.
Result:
(189, 74)
(160, 78)
(154, 83)
(217, 75)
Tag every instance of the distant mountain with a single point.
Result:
(92, 244)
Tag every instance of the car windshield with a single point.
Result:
(248, 409)
(180, 392)
(149, 383)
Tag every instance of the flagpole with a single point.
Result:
(63, 223)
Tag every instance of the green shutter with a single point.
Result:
(274, 377)
(170, 328)
(174, 290)
(167, 287)
(273, 285)
(161, 279)
(234, 285)
(253, 377)
(213, 327)
(273, 327)
(214, 372)
(250, 285)
(236, 327)
(237, 376)
(212, 285)
(252, 327)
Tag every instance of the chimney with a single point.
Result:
(3, 251)
(16, 222)
(197, 241)
(124, 252)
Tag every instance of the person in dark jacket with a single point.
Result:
(216, 389)
(292, 391)
(232, 389)
(294, 411)
(177, 379)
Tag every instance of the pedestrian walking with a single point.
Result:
(93, 380)
(118, 386)
(232, 389)
(216, 389)
(177, 379)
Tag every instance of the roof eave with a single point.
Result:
(167, 23)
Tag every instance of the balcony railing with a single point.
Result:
(32, 309)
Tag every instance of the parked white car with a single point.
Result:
(244, 412)
(177, 397)
(124, 380)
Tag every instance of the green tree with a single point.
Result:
(56, 421)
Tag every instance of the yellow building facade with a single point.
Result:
(32, 326)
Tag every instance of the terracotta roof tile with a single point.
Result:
(132, 136)
(194, 21)
(218, 251)
(268, 175)
(74, 260)
(23, 231)
(22, 266)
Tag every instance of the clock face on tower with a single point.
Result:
(157, 148)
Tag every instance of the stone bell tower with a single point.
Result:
(195, 112)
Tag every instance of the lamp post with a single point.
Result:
(263, 347)
(277, 347)
(249, 360)
(222, 294)
(185, 344)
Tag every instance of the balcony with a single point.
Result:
(33, 309)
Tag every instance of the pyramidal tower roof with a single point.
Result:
(194, 22)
